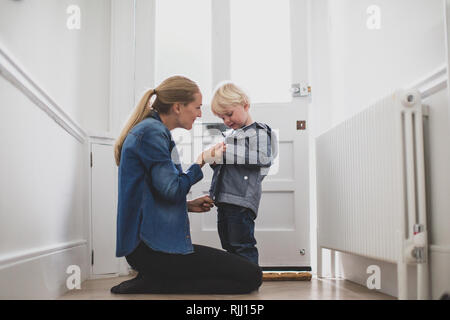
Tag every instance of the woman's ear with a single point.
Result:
(177, 108)
(246, 106)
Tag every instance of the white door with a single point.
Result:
(104, 209)
(242, 54)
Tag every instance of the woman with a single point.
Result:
(153, 224)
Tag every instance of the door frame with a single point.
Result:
(136, 24)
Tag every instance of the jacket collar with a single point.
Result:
(155, 115)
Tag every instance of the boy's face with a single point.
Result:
(236, 116)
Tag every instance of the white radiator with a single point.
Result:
(371, 187)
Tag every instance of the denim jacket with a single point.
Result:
(250, 153)
(152, 203)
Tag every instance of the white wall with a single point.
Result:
(366, 64)
(353, 66)
(44, 186)
(71, 65)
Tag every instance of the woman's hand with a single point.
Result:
(213, 155)
(202, 204)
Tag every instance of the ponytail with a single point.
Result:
(141, 112)
(176, 89)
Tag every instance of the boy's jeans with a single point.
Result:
(236, 226)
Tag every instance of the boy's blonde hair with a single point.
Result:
(227, 95)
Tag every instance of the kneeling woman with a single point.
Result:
(152, 223)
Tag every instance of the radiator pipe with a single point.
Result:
(422, 267)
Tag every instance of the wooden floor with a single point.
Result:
(316, 289)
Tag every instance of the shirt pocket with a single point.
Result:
(236, 181)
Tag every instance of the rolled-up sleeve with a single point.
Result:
(170, 183)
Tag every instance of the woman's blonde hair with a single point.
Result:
(176, 89)
(228, 94)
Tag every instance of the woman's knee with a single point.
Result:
(258, 277)
(253, 276)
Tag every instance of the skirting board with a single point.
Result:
(42, 275)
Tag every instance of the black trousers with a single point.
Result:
(206, 271)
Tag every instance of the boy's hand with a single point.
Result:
(202, 204)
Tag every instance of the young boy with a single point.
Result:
(236, 182)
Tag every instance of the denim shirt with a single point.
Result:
(250, 153)
(152, 203)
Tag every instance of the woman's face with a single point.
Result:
(189, 113)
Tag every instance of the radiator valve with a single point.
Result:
(420, 242)
(415, 248)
